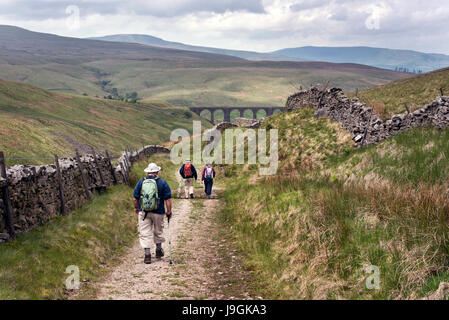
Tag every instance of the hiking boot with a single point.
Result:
(191, 196)
(147, 259)
(159, 253)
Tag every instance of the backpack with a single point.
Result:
(209, 174)
(188, 170)
(149, 195)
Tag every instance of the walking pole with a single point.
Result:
(169, 242)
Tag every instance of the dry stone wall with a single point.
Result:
(34, 190)
(366, 127)
(248, 123)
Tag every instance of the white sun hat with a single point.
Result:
(152, 168)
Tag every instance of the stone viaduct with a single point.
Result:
(227, 111)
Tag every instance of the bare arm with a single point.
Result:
(136, 206)
(168, 205)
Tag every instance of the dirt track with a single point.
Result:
(205, 264)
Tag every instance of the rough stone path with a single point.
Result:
(205, 264)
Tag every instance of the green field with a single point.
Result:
(38, 123)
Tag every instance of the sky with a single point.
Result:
(254, 25)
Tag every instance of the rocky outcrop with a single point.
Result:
(34, 190)
(366, 127)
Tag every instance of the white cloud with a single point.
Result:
(262, 25)
(308, 4)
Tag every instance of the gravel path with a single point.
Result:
(205, 265)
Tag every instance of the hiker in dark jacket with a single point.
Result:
(188, 173)
(152, 222)
(208, 179)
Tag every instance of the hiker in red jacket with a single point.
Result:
(208, 179)
(188, 173)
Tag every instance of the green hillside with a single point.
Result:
(38, 123)
(184, 78)
(331, 211)
(416, 91)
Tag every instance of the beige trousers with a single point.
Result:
(151, 227)
(188, 186)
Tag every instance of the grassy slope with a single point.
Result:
(331, 211)
(416, 91)
(183, 77)
(33, 266)
(37, 123)
(251, 85)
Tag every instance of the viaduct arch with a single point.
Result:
(227, 111)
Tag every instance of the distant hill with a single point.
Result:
(415, 91)
(17, 44)
(376, 57)
(154, 41)
(391, 59)
(181, 77)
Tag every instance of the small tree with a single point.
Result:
(187, 114)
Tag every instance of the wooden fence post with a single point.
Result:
(406, 108)
(357, 92)
(442, 92)
(111, 167)
(6, 198)
(124, 173)
(126, 162)
(103, 183)
(61, 190)
(128, 151)
(83, 177)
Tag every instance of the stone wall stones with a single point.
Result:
(366, 127)
(248, 123)
(224, 126)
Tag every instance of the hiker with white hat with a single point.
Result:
(151, 195)
(188, 173)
